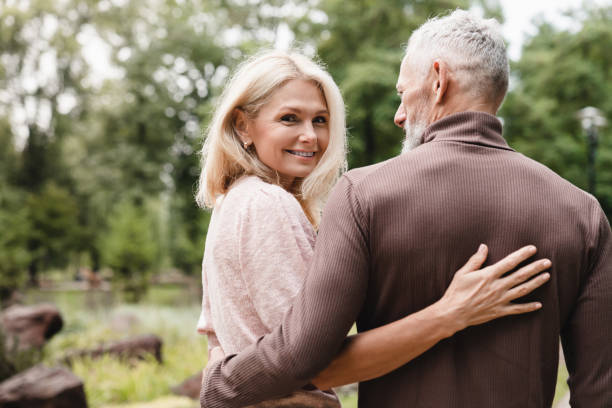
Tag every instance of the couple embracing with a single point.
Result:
(392, 244)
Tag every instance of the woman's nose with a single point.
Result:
(308, 133)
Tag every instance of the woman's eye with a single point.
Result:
(288, 118)
(320, 119)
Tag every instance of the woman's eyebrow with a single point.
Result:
(300, 110)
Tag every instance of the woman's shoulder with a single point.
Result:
(252, 193)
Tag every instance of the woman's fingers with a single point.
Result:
(217, 354)
(214, 355)
(511, 261)
(476, 260)
(521, 308)
(527, 287)
(526, 272)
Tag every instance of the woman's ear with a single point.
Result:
(241, 125)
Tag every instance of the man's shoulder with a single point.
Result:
(549, 177)
(360, 175)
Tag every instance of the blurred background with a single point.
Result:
(102, 110)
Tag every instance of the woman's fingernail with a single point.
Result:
(482, 247)
(546, 263)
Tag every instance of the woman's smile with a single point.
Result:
(302, 154)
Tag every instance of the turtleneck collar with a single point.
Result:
(468, 127)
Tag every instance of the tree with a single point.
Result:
(130, 248)
(15, 227)
(44, 92)
(41, 77)
(559, 73)
(54, 231)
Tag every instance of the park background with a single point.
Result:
(102, 111)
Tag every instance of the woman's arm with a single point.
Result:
(473, 297)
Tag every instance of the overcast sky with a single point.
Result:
(520, 13)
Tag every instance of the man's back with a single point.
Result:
(426, 212)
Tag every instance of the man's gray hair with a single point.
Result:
(472, 47)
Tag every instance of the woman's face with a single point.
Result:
(291, 131)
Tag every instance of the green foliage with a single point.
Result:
(41, 65)
(9, 158)
(15, 227)
(130, 248)
(559, 73)
(189, 227)
(54, 231)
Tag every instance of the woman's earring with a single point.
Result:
(246, 145)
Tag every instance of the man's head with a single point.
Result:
(452, 64)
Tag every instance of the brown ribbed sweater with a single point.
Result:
(393, 235)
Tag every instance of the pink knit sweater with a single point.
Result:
(258, 249)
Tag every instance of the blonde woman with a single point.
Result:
(274, 149)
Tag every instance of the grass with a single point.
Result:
(109, 381)
(92, 318)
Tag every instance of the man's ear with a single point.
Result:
(241, 125)
(440, 84)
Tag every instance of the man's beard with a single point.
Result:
(414, 135)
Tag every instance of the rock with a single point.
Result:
(132, 348)
(190, 387)
(43, 387)
(31, 326)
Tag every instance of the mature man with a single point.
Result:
(393, 232)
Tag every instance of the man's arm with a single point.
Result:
(315, 327)
(587, 336)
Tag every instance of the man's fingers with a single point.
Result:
(527, 287)
(476, 260)
(511, 261)
(526, 272)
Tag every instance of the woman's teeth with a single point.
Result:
(303, 154)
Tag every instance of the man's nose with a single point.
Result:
(400, 116)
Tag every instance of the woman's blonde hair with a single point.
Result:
(223, 157)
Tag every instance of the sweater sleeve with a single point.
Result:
(315, 326)
(587, 336)
(274, 251)
(204, 325)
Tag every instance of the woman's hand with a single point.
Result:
(476, 296)
(215, 355)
